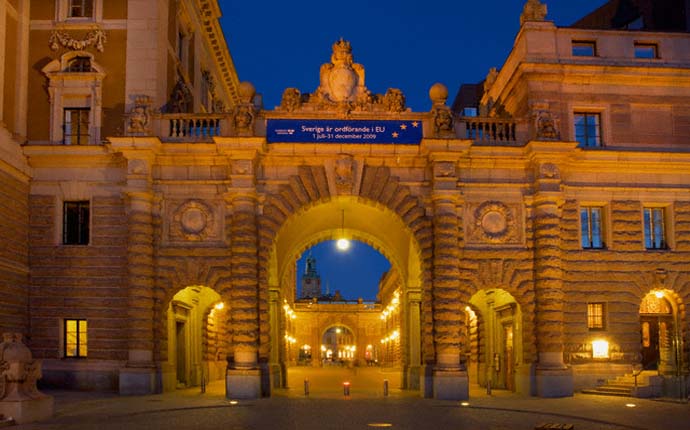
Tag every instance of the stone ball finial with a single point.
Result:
(438, 93)
(247, 92)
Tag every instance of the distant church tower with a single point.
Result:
(311, 281)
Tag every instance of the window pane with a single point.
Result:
(647, 228)
(658, 228)
(584, 228)
(645, 50)
(597, 241)
(75, 223)
(584, 49)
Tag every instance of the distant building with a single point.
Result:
(311, 281)
(650, 15)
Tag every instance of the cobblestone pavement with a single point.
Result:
(327, 408)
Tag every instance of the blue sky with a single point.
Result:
(405, 44)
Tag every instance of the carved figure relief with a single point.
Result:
(394, 100)
(243, 119)
(139, 118)
(18, 370)
(443, 121)
(292, 100)
(344, 174)
(546, 125)
(194, 221)
(490, 79)
(533, 10)
(549, 171)
(444, 169)
(493, 222)
(180, 98)
(95, 38)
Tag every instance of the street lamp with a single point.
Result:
(343, 244)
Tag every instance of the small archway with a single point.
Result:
(660, 332)
(196, 350)
(338, 345)
(495, 339)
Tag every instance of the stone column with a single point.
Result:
(243, 378)
(412, 303)
(277, 366)
(553, 378)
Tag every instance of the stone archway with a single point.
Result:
(379, 211)
(661, 332)
(497, 341)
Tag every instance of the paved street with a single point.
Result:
(327, 408)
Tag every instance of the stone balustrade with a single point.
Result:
(491, 130)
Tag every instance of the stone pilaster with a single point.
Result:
(413, 355)
(244, 377)
(553, 378)
(450, 381)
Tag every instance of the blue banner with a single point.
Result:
(344, 131)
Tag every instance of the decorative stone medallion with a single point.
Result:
(193, 221)
(493, 222)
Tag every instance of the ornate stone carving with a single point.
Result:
(244, 115)
(139, 118)
(442, 115)
(18, 371)
(242, 167)
(194, 221)
(549, 171)
(341, 80)
(292, 100)
(444, 169)
(96, 38)
(493, 222)
(533, 10)
(344, 173)
(546, 125)
(180, 98)
(490, 79)
(394, 100)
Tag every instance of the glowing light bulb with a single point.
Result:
(659, 294)
(343, 244)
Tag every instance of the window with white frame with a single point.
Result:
(77, 12)
(654, 228)
(76, 126)
(591, 227)
(80, 9)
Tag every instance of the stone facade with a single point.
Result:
(519, 247)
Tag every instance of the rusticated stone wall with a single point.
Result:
(14, 253)
(76, 281)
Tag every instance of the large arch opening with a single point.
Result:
(385, 332)
(196, 323)
(495, 339)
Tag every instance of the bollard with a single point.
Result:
(306, 386)
(203, 384)
(488, 387)
(346, 388)
(385, 388)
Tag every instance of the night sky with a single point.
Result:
(405, 44)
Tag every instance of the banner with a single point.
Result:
(408, 132)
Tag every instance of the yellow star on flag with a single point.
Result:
(395, 134)
(403, 126)
(415, 124)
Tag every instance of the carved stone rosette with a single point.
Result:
(493, 222)
(193, 220)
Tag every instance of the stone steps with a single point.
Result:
(648, 383)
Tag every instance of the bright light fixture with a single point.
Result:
(600, 349)
(630, 405)
(219, 306)
(343, 244)
(659, 294)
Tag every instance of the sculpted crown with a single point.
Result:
(342, 46)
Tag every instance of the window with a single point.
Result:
(591, 227)
(79, 65)
(75, 338)
(470, 111)
(80, 9)
(584, 48)
(595, 316)
(654, 234)
(76, 126)
(646, 50)
(587, 129)
(75, 220)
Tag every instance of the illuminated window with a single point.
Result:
(76, 126)
(75, 223)
(646, 50)
(587, 129)
(595, 316)
(584, 48)
(654, 234)
(591, 227)
(75, 338)
(80, 9)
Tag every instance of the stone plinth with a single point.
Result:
(243, 384)
(137, 381)
(451, 385)
(554, 382)
(27, 410)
